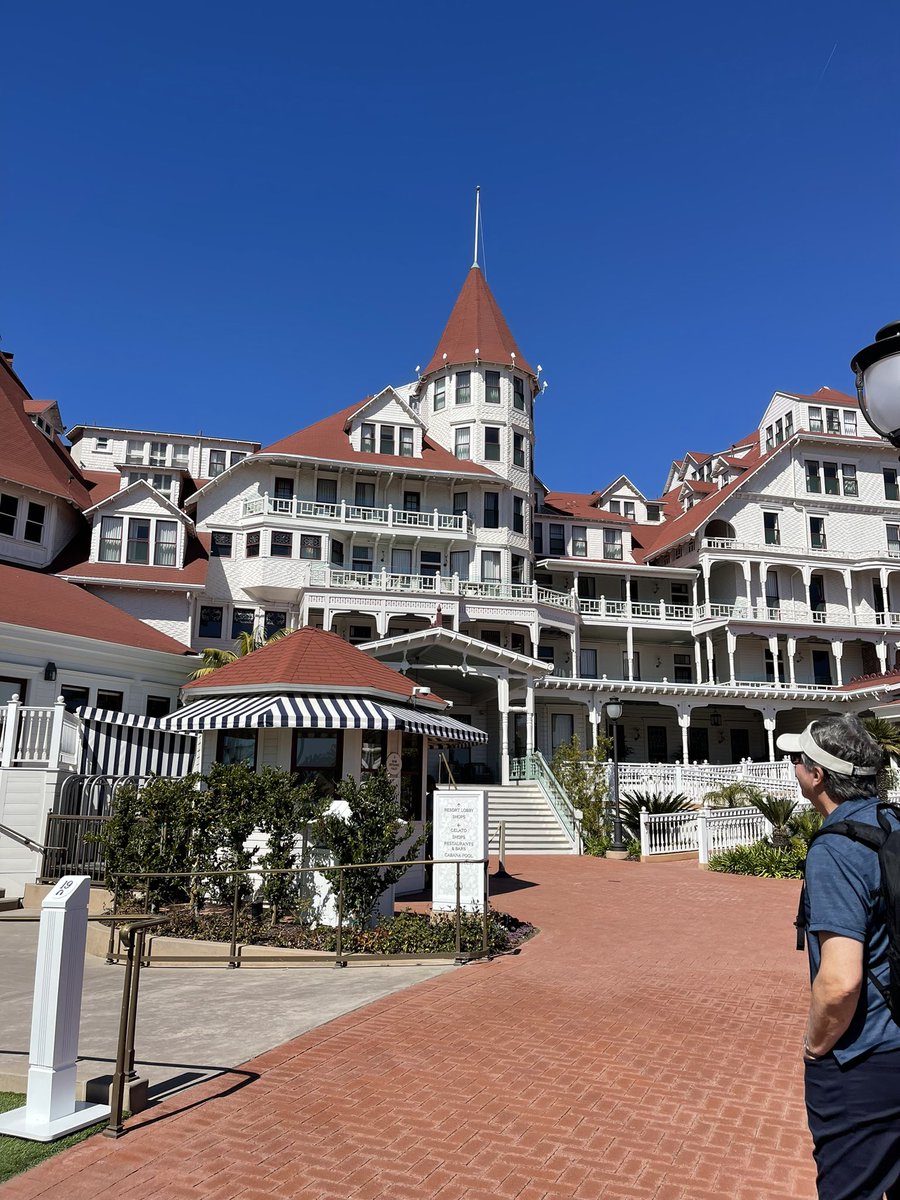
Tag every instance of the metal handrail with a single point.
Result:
(24, 840)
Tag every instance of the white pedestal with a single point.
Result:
(460, 832)
(51, 1110)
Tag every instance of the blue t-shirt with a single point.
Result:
(843, 897)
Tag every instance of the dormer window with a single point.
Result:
(615, 506)
(492, 387)
(519, 393)
(788, 424)
(406, 441)
(815, 419)
(9, 507)
(217, 464)
(157, 454)
(386, 440)
(367, 438)
(142, 533)
(101, 444)
(134, 452)
(629, 509)
(850, 423)
(832, 420)
(653, 512)
(463, 387)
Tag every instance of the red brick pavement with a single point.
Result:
(646, 1044)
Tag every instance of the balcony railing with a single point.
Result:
(791, 613)
(634, 610)
(799, 551)
(444, 585)
(38, 737)
(342, 513)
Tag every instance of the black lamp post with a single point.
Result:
(877, 371)
(613, 713)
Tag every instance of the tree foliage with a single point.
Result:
(582, 774)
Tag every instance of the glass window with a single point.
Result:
(374, 752)
(216, 463)
(817, 533)
(9, 507)
(252, 545)
(34, 522)
(111, 701)
(401, 562)
(406, 441)
(101, 444)
(242, 620)
(492, 510)
(337, 552)
(281, 545)
(579, 541)
(492, 443)
(412, 501)
(461, 443)
(557, 539)
(653, 512)
(848, 475)
(779, 431)
(360, 633)
(684, 671)
(587, 664)
(891, 489)
(367, 439)
(386, 439)
(518, 393)
(615, 506)
(310, 545)
(832, 420)
(772, 534)
(492, 387)
(220, 544)
(210, 623)
(430, 563)
(362, 559)
(158, 706)
(815, 419)
(364, 495)
(850, 422)
(134, 452)
(770, 439)
(788, 424)
(111, 539)
(460, 504)
(440, 393)
(284, 488)
(612, 543)
(237, 746)
(830, 473)
(893, 540)
(517, 572)
(518, 450)
(518, 514)
(138, 540)
(628, 508)
(490, 566)
(273, 622)
(463, 387)
(179, 455)
(158, 454)
(538, 537)
(237, 455)
(73, 696)
(316, 758)
(326, 491)
(459, 563)
(773, 598)
(813, 482)
(165, 544)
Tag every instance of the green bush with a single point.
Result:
(761, 859)
(737, 794)
(582, 775)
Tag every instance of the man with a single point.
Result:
(851, 1049)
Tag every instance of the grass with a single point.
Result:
(18, 1154)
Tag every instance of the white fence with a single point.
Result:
(695, 780)
(35, 737)
(704, 831)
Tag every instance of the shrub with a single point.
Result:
(761, 859)
(631, 804)
(778, 811)
(803, 825)
(737, 794)
(285, 808)
(583, 777)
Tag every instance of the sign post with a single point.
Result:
(51, 1110)
(460, 833)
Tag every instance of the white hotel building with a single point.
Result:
(756, 590)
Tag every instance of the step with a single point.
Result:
(9, 905)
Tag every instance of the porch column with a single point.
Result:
(881, 651)
(684, 721)
(594, 719)
(629, 651)
(748, 585)
(848, 587)
(792, 666)
(698, 660)
(837, 649)
(575, 651)
(768, 715)
(694, 592)
(773, 650)
(732, 646)
(710, 660)
(503, 710)
(763, 570)
(628, 594)
(529, 717)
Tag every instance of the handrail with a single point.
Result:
(24, 840)
(535, 767)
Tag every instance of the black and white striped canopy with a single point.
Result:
(117, 743)
(314, 712)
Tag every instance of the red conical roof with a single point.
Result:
(476, 323)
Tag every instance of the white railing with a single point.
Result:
(38, 736)
(796, 551)
(618, 610)
(704, 831)
(447, 585)
(668, 833)
(695, 780)
(343, 513)
(791, 613)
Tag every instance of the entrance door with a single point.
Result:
(740, 744)
(519, 734)
(657, 743)
(562, 730)
(698, 744)
(821, 661)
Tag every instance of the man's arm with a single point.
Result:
(835, 991)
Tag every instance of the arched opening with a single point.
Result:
(719, 530)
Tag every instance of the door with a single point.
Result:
(817, 595)
(657, 743)
(562, 730)
(698, 744)
(740, 745)
(821, 661)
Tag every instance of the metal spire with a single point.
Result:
(477, 221)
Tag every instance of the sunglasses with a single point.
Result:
(796, 758)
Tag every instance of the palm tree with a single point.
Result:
(778, 811)
(245, 643)
(887, 735)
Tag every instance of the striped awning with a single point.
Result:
(116, 743)
(313, 712)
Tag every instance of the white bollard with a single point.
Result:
(51, 1110)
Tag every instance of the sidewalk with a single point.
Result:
(645, 1045)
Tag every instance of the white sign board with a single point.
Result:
(460, 832)
(51, 1110)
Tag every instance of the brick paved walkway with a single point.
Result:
(644, 1046)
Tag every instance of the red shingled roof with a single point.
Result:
(35, 601)
(476, 323)
(194, 570)
(576, 504)
(309, 658)
(329, 441)
(26, 456)
(38, 406)
(827, 395)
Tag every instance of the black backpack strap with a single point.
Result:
(866, 835)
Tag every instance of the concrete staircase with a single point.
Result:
(532, 826)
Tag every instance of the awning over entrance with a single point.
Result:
(114, 743)
(313, 712)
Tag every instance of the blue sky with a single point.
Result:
(240, 218)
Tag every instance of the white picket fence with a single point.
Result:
(703, 831)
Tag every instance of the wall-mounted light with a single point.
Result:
(715, 719)
(50, 672)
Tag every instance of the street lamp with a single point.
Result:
(613, 713)
(877, 370)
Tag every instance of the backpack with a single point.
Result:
(884, 840)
